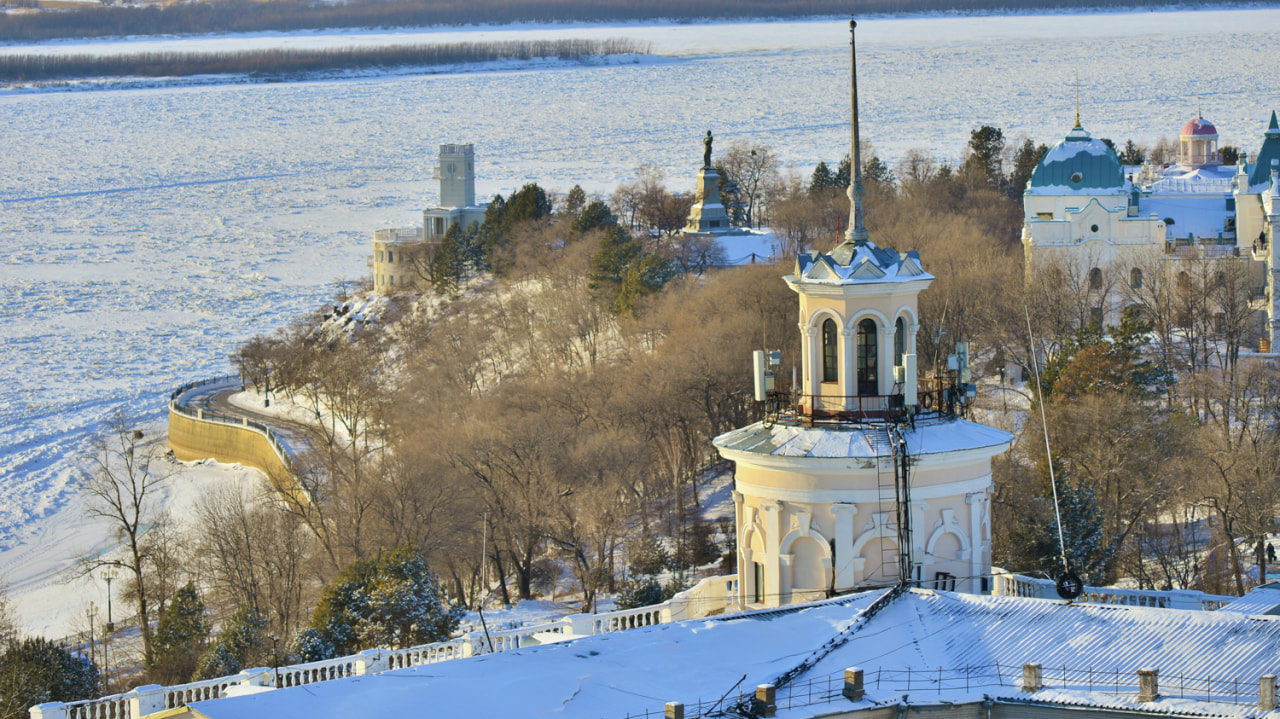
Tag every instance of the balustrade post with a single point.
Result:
(49, 710)
(258, 677)
(146, 699)
(674, 710)
(371, 661)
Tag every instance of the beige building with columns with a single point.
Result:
(815, 482)
(861, 475)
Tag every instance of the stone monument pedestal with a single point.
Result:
(707, 216)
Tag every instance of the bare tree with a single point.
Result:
(121, 488)
(751, 168)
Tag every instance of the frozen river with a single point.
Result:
(146, 231)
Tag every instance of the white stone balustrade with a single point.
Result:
(1017, 585)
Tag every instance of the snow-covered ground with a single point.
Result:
(147, 231)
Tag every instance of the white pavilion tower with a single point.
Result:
(862, 475)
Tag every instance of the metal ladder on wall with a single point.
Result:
(881, 441)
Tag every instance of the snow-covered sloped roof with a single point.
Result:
(1203, 216)
(928, 437)
(853, 263)
(1263, 599)
(1078, 165)
(1261, 172)
(616, 674)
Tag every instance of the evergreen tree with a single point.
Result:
(640, 590)
(1132, 154)
(396, 601)
(574, 202)
(844, 175)
(407, 605)
(1024, 164)
(1082, 525)
(986, 147)
(240, 644)
(875, 171)
(1093, 363)
(595, 215)
(35, 671)
(180, 637)
(448, 265)
(822, 181)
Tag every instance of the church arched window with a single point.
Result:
(830, 352)
(867, 357)
(1095, 279)
(899, 341)
(1135, 278)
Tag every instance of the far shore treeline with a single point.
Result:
(43, 68)
(112, 20)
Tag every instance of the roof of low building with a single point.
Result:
(1263, 599)
(1078, 165)
(942, 637)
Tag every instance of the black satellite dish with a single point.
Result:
(1069, 585)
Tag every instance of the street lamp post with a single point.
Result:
(109, 573)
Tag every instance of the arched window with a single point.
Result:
(1095, 279)
(1135, 278)
(867, 357)
(830, 352)
(899, 341)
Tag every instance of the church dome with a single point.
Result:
(1078, 165)
(1199, 127)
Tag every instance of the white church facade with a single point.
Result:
(1110, 225)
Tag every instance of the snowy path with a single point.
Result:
(146, 232)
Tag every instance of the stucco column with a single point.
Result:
(918, 537)
(912, 330)
(884, 352)
(772, 563)
(975, 500)
(843, 537)
(784, 581)
(743, 549)
(809, 378)
(848, 380)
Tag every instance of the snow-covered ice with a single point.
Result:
(147, 231)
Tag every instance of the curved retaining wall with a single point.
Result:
(193, 438)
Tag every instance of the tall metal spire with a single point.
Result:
(857, 232)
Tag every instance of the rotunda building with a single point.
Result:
(1198, 143)
(860, 474)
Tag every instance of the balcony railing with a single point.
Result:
(934, 397)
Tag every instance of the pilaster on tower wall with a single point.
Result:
(1271, 204)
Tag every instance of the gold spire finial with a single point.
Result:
(1077, 98)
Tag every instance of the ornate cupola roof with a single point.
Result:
(1078, 165)
(1199, 128)
(863, 263)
